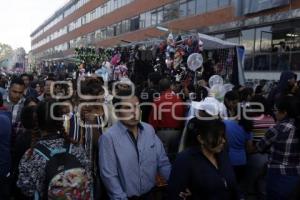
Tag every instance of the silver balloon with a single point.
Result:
(194, 61)
(215, 79)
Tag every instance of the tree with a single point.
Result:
(5, 50)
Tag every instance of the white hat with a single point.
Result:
(210, 105)
(125, 80)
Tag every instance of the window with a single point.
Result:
(93, 15)
(119, 28)
(171, 11)
(263, 40)
(224, 3)
(200, 6)
(83, 19)
(115, 30)
(134, 23)
(103, 34)
(125, 26)
(116, 6)
(182, 8)
(153, 18)
(107, 7)
(142, 20)
(98, 34)
(212, 5)
(262, 62)
(147, 19)
(110, 31)
(247, 39)
(191, 7)
(91, 37)
(88, 18)
(159, 15)
(98, 12)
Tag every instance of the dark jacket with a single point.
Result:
(5, 135)
(194, 171)
(31, 92)
(281, 89)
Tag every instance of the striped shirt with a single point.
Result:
(284, 144)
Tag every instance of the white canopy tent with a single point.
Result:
(210, 42)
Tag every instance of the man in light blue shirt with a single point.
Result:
(130, 153)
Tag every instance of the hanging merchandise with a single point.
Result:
(177, 57)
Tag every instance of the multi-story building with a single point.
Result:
(269, 29)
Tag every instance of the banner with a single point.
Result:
(253, 6)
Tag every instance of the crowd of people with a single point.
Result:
(85, 138)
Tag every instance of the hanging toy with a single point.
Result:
(200, 44)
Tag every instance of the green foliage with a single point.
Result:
(91, 57)
(5, 51)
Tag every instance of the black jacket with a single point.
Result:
(194, 171)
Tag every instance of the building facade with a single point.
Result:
(269, 29)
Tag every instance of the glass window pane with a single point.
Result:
(200, 6)
(134, 23)
(153, 18)
(223, 3)
(247, 39)
(262, 62)
(295, 61)
(183, 8)
(119, 27)
(160, 16)
(263, 40)
(142, 20)
(125, 26)
(248, 62)
(191, 7)
(115, 4)
(148, 19)
(171, 11)
(212, 5)
(109, 6)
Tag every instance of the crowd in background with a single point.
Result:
(161, 139)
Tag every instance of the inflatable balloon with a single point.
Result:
(228, 87)
(194, 61)
(218, 91)
(215, 79)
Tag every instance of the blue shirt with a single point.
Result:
(237, 138)
(129, 168)
(5, 135)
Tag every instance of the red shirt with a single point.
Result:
(166, 109)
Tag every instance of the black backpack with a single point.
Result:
(65, 177)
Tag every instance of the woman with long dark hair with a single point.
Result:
(204, 168)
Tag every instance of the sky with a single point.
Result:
(19, 18)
